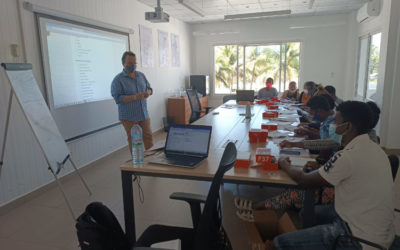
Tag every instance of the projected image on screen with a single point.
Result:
(82, 62)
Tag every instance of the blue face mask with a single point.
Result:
(332, 134)
(130, 68)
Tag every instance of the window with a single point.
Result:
(248, 66)
(368, 65)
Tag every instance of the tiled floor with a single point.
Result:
(44, 223)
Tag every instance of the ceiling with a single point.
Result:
(214, 10)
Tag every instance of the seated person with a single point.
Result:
(329, 140)
(269, 91)
(308, 92)
(376, 111)
(332, 92)
(294, 198)
(363, 184)
(321, 107)
(292, 93)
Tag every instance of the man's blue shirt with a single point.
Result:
(124, 85)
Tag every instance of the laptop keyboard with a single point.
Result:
(183, 160)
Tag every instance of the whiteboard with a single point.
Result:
(37, 113)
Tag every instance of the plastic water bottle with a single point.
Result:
(137, 144)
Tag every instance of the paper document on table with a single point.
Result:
(287, 127)
(300, 161)
(278, 133)
(287, 118)
(288, 112)
(294, 151)
(291, 139)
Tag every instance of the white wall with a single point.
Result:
(25, 168)
(324, 44)
(388, 80)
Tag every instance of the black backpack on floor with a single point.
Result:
(99, 229)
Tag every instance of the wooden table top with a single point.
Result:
(228, 124)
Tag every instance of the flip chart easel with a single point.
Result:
(26, 91)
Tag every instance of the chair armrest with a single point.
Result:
(188, 197)
(207, 109)
(194, 201)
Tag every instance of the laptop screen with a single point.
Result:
(188, 139)
(245, 95)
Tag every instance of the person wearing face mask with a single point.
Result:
(292, 93)
(332, 92)
(309, 89)
(321, 108)
(269, 91)
(130, 90)
(363, 186)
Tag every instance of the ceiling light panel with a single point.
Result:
(215, 9)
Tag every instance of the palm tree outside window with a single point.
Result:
(248, 66)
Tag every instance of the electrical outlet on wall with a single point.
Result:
(15, 50)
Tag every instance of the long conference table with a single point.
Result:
(228, 124)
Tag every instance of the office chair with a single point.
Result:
(228, 97)
(195, 105)
(207, 231)
(394, 164)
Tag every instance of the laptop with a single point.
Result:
(186, 146)
(244, 95)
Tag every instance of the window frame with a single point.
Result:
(367, 66)
(280, 43)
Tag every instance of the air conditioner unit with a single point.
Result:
(370, 9)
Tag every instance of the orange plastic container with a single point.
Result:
(242, 160)
(270, 114)
(258, 135)
(273, 107)
(269, 126)
(270, 166)
(262, 101)
(275, 99)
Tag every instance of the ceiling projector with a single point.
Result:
(158, 16)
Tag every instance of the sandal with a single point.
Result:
(245, 215)
(243, 204)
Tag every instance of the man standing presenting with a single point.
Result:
(130, 90)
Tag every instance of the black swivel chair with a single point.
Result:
(394, 164)
(195, 105)
(207, 231)
(226, 98)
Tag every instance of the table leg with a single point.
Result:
(129, 209)
(309, 215)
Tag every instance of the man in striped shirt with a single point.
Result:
(130, 90)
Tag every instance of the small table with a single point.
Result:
(178, 108)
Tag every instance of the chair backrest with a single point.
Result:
(394, 164)
(228, 97)
(207, 232)
(195, 105)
